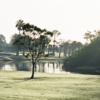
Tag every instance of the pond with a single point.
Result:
(5, 55)
(48, 67)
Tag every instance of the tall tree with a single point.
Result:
(19, 26)
(60, 43)
(55, 33)
(35, 40)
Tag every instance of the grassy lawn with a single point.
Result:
(17, 86)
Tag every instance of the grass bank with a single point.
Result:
(18, 86)
(13, 57)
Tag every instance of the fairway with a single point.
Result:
(17, 86)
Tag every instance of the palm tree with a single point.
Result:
(19, 26)
(56, 33)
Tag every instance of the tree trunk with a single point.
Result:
(68, 52)
(17, 52)
(59, 51)
(64, 51)
(44, 52)
(53, 49)
(33, 65)
(48, 50)
(35, 51)
(23, 51)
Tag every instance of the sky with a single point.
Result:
(70, 17)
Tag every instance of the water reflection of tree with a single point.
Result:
(23, 67)
(53, 67)
(43, 66)
(40, 67)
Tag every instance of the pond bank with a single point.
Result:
(13, 57)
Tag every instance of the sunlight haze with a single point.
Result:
(70, 17)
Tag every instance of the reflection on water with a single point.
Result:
(8, 68)
(49, 67)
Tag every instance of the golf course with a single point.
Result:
(17, 85)
(45, 86)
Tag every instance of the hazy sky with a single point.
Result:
(71, 17)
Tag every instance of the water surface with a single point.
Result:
(49, 67)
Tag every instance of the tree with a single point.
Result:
(85, 59)
(55, 33)
(19, 26)
(73, 46)
(89, 37)
(35, 40)
(79, 45)
(13, 38)
(97, 33)
(60, 43)
(2, 41)
(66, 46)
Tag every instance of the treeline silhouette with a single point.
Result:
(86, 60)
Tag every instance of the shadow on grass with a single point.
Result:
(28, 78)
(21, 80)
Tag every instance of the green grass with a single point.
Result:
(17, 86)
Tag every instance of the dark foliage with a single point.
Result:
(88, 56)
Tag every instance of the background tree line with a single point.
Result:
(86, 60)
(66, 47)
